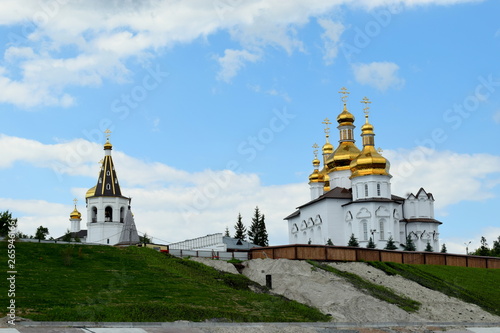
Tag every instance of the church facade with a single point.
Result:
(109, 217)
(351, 195)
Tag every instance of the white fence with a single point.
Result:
(209, 254)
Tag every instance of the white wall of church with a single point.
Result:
(421, 233)
(340, 179)
(378, 220)
(372, 186)
(105, 217)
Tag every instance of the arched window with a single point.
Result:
(366, 190)
(108, 173)
(382, 229)
(108, 186)
(365, 230)
(108, 214)
(94, 214)
(122, 214)
(378, 190)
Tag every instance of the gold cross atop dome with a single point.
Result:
(327, 128)
(366, 101)
(107, 133)
(75, 200)
(315, 151)
(345, 94)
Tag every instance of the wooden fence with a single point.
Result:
(343, 253)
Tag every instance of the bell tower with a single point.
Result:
(106, 206)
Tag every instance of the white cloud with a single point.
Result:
(379, 75)
(447, 175)
(104, 35)
(331, 39)
(232, 62)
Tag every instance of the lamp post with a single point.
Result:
(467, 247)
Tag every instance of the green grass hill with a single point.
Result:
(56, 282)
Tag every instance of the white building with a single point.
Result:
(351, 195)
(109, 218)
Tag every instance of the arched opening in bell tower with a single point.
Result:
(108, 214)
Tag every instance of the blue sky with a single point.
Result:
(214, 106)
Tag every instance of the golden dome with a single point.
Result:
(345, 117)
(327, 148)
(369, 161)
(90, 192)
(314, 177)
(108, 144)
(75, 214)
(342, 156)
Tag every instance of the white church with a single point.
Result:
(109, 217)
(351, 195)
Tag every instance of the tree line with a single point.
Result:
(257, 232)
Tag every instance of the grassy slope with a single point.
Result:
(474, 285)
(101, 283)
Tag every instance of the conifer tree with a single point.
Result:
(409, 246)
(241, 230)
(257, 233)
(329, 242)
(390, 245)
(428, 247)
(353, 241)
(443, 248)
(264, 239)
(41, 233)
(67, 236)
(226, 233)
(371, 244)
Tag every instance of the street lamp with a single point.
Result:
(467, 247)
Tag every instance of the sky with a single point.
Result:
(214, 107)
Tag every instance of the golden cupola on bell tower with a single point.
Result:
(369, 161)
(347, 150)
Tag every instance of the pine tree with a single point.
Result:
(253, 231)
(226, 233)
(409, 246)
(428, 247)
(241, 230)
(483, 250)
(371, 244)
(353, 241)
(264, 239)
(257, 233)
(41, 233)
(329, 242)
(495, 250)
(443, 248)
(390, 244)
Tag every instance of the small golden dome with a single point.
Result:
(316, 162)
(108, 145)
(345, 117)
(90, 192)
(75, 214)
(327, 148)
(314, 177)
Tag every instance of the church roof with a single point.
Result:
(336, 193)
(107, 182)
(420, 219)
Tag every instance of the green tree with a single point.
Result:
(264, 237)
(67, 236)
(371, 244)
(329, 242)
(428, 247)
(226, 233)
(257, 233)
(145, 239)
(409, 246)
(241, 230)
(353, 241)
(390, 245)
(41, 233)
(495, 250)
(443, 248)
(6, 221)
(483, 249)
